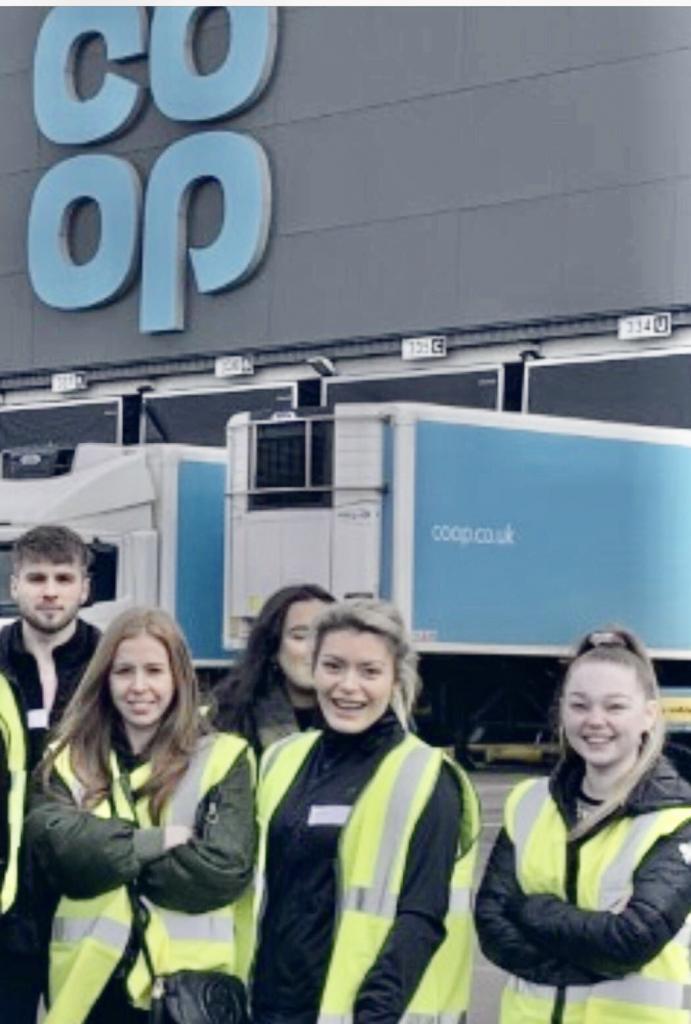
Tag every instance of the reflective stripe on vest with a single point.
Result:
(90, 936)
(641, 991)
(608, 860)
(377, 899)
(372, 853)
(14, 740)
(411, 1018)
(526, 812)
(615, 882)
(271, 755)
(76, 929)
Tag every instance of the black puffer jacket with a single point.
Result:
(550, 941)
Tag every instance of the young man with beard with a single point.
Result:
(42, 656)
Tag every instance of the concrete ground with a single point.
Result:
(493, 788)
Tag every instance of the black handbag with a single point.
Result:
(189, 997)
(198, 997)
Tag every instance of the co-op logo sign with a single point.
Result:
(157, 212)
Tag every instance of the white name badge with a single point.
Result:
(328, 814)
(37, 718)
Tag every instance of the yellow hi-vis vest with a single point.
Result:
(372, 854)
(90, 936)
(660, 992)
(14, 740)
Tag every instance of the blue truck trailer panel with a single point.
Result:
(387, 514)
(200, 539)
(525, 539)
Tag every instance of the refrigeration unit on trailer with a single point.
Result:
(154, 518)
(496, 534)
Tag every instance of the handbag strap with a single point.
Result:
(141, 914)
(141, 917)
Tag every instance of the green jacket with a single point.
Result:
(211, 869)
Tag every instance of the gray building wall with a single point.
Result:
(433, 169)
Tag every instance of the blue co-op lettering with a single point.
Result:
(150, 221)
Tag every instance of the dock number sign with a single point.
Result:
(147, 222)
(645, 325)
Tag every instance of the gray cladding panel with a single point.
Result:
(358, 274)
(19, 148)
(515, 146)
(681, 253)
(605, 33)
(342, 58)
(519, 247)
(14, 211)
(16, 333)
(618, 248)
(431, 168)
(324, 170)
(19, 26)
(620, 121)
(504, 43)
(514, 42)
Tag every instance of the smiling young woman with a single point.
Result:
(137, 794)
(367, 844)
(586, 899)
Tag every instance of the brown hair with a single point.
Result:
(87, 726)
(51, 543)
(617, 646)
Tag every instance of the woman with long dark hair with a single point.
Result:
(143, 823)
(586, 900)
(271, 694)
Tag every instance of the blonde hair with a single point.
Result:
(617, 646)
(384, 620)
(87, 725)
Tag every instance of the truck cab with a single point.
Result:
(153, 516)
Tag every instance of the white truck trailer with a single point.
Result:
(501, 537)
(154, 517)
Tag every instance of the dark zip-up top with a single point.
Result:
(19, 929)
(19, 665)
(297, 929)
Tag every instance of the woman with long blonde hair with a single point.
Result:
(367, 844)
(586, 900)
(143, 823)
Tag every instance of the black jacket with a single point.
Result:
(297, 928)
(20, 667)
(18, 927)
(550, 941)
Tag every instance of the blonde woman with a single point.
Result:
(587, 894)
(136, 795)
(367, 845)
